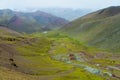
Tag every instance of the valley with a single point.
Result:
(55, 56)
(41, 46)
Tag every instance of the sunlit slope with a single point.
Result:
(30, 57)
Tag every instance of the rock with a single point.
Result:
(45, 32)
(97, 64)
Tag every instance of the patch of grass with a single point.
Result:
(6, 74)
(41, 63)
(80, 74)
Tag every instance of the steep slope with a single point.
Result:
(30, 22)
(67, 13)
(101, 28)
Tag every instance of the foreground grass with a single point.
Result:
(7, 74)
(35, 57)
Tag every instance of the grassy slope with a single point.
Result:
(63, 45)
(34, 54)
(31, 55)
(101, 30)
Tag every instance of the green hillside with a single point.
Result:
(100, 28)
(53, 56)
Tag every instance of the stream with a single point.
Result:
(90, 69)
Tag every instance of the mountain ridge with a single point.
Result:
(30, 22)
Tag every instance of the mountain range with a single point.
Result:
(67, 13)
(30, 22)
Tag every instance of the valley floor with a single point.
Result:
(55, 57)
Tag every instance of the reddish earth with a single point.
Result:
(72, 57)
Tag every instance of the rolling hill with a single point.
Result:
(100, 28)
(30, 22)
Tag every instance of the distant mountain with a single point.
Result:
(67, 13)
(30, 22)
(100, 28)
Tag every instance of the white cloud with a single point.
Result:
(23, 4)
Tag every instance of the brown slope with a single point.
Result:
(9, 32)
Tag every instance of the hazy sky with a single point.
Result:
(27, 4)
